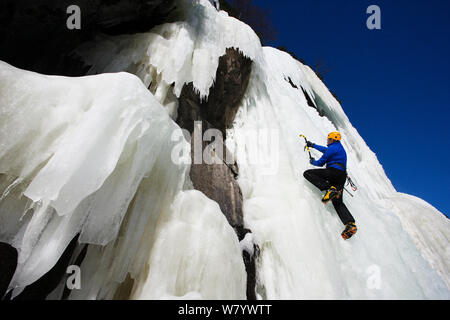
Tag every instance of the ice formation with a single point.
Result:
(301, 253)
(173, 54)
(192, 245)
(92, 155)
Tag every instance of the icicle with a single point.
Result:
(16, 182)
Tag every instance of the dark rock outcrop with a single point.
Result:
(250, 265)
(218, 181)
(232, 77)
(8, 263)
(34, 34)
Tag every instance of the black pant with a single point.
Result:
(324, 179)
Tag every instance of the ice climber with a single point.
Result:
(332, 179)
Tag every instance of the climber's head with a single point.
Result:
(333, 136)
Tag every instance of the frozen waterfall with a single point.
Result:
(94, 156)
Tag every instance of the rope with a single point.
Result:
(352, 185)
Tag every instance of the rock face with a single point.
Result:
(232, 77)
(218, 181)
(34, 34)
(8, 262)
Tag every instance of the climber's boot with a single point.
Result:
(350, 230)
(331, 194)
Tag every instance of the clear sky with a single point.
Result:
(393, 83)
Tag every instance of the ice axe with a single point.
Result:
(306, 147)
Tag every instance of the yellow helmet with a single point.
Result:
(335, 136)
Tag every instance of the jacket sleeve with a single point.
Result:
(320, 148)
(324, 158)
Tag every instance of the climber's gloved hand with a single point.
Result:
(309, 144)
(312, 160)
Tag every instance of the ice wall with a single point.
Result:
(78, 151)
(94, 155)
(193, 244)
(173, 54)
(302, 255)
(428, 228)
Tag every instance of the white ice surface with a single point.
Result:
(197, 251)
(302, 255)
(120, 190)
(173, 54)
(80, 147)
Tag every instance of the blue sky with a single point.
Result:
(394, 82)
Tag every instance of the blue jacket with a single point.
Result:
(335, 153)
